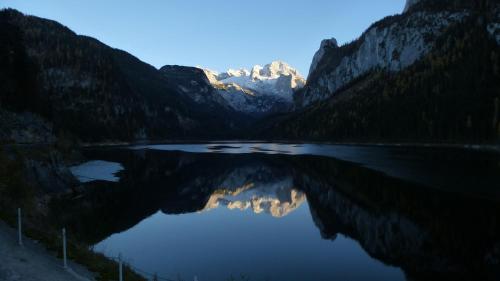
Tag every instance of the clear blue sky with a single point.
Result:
(216, 34)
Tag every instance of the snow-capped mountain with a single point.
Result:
(261, 90)
(277, 199)
(256, 188)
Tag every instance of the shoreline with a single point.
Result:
(486, 147)
(33, 261)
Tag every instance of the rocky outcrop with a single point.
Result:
(409, 4)
(324, 47)
(428, 69)
(25, 127)
(391, 44)
(194, 84)
(493, 26)
(50, 174)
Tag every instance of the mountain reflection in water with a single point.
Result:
(248, 188)
(407, 231)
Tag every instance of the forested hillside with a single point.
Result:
(451, 95)
(90, 91)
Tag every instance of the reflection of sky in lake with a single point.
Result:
(97, 170)
(213, 245)
(432, 166)
(246, 147)
(248, 214)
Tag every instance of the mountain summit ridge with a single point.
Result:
(262, 90)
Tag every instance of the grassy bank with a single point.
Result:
(17, 190)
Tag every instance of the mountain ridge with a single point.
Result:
(54, 79)
(69, 79)
(450, 94)
(262, 90)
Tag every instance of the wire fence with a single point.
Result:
(119, 259)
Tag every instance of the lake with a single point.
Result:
(286, 212)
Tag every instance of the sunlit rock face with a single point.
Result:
(261, 90)
(391, 44)
(277, 198)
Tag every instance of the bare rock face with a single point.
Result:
(493, 27)
(393, 44)
(325, 45)
(409, 4)
(194, 83)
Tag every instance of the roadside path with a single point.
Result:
(32, 262)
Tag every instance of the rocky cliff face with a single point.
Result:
(493, 26)
(392, 44)
(408, 78)
(194, 84)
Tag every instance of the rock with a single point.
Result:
(325, 44)
(409, 4)
(392, 44)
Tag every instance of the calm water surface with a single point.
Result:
(256, 211)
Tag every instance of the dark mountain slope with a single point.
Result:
(90, 90)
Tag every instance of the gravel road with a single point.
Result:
(33, 262)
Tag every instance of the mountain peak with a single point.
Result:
(409, 4)
(278, 68)
(238, 72)
(258, 75)
(325, 44)
(259, 89)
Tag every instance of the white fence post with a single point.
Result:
(19, 227)
(120, 268)
(64, 248)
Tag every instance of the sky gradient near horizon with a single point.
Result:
(216, 34)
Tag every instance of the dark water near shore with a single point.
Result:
(296, 212)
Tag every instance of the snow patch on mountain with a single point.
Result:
(263, 89)
(276, 78)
